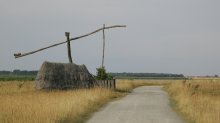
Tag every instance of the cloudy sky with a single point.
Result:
(162, 36)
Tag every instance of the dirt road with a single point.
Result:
(147, 104)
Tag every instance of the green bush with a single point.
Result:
(102, 75)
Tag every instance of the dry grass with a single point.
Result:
(21, 103)
(129, 84)
(198, 100)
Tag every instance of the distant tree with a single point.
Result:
(216, 75)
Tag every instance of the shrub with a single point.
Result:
(102, 75)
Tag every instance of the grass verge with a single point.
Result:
(197, 100)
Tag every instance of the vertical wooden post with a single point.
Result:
(114, 84)
(103, 50)
(68, 47)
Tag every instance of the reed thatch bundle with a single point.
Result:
(63, 75)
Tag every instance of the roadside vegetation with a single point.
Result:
(198, 99)
(21, 103)
(127, 85)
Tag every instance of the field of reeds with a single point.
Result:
(198, 100)
(21, 103)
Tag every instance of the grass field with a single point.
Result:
(198, 99)
(17, 77)
(129, 84)
(21, 103)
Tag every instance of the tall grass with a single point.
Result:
(198, 100)
(21, 103)
(129, 84)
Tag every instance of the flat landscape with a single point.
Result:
(109, 61)
(21, 102)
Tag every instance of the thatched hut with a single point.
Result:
(63, 75)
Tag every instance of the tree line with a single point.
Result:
(124, 74)
(19, 72)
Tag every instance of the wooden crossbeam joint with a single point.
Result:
(68, 47)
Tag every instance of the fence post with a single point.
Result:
(106, 84)
(114, 83)
(110, 82)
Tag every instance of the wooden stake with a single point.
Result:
(68, 47)
(103, 48)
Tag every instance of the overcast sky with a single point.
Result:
(162, 36)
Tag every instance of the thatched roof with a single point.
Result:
(63, 75)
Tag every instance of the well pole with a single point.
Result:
(68, 47)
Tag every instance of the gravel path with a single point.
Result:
(147, 104)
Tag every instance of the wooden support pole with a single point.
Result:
(68, 47)
(103, 48)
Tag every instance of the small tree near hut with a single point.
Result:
(102, 75)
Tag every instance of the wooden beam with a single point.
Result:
(68, 47)
(18, 55)
(103, 48)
